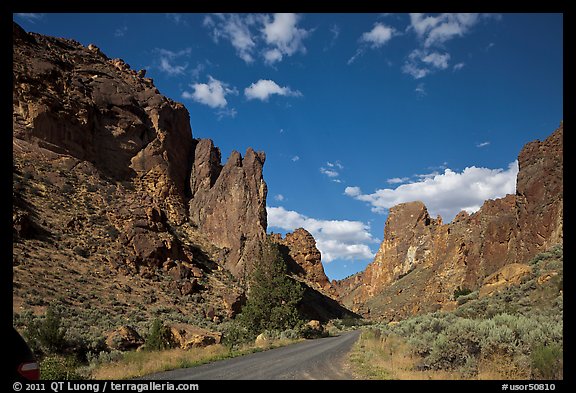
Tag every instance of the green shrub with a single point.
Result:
(461, 292)
(47, 334)
(57, 367)
(159, 337)
(547, 361)
(272, 299)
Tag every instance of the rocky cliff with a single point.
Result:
(421, 261)
(115, 205)
(117, 209)
(228, 203)
(84, 108)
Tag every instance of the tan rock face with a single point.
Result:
(509, 275)
(422, 261)
(228, 202)
(303, 257)
(76, 101)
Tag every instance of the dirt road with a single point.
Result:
(314, 359)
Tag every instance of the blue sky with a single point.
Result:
(356, 112)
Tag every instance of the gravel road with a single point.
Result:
(323, 358)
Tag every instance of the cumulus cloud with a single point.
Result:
(378, 36)
(283, 36)
(336, 239)
(212, 93)
(375, 38)
(264, 88)
(448, 193)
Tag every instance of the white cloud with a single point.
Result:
(378, 36)
(422, 62)
(329, 172)
(264, 88)
(483, 144)
(236, 29)
(212, 93)
(458, 66)
(284, 37)
(437, 60)
(295, 158)
(436, 30)
(167, 59)
(226, 112)
(279, 197)
(336, 164)
(170, 69)
(415, 71)
(336, 239)
(397, 180)
(446, 194)
(335, 31)
(275, 36)
(332, 170)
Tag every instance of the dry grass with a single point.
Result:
(137, 364)
(502, 367)
(390, 357)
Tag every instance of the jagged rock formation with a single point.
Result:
(228, 202)
(422, 261)
(303, 257)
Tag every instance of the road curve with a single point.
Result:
(323, 358)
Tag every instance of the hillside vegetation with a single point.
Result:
(516, 333)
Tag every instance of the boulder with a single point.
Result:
(124, 338)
